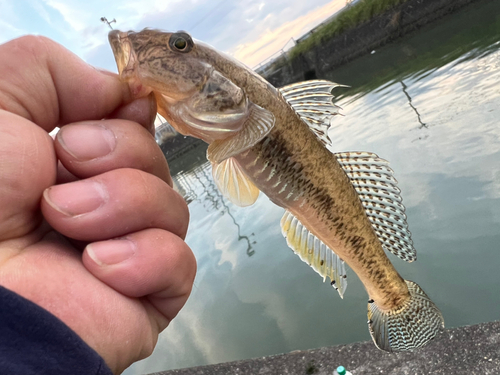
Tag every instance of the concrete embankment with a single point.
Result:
(363, 39)
(458, 351)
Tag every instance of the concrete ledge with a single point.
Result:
(465, 350)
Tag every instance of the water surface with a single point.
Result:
(430, 104)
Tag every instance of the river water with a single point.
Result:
(430, 104)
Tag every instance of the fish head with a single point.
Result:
(159, 60)
(192, 94)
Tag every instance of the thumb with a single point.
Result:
(27, 168)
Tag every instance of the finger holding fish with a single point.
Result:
(141, 110)
(89, 148)
(99, 207)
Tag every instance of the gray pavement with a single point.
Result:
(470, 350)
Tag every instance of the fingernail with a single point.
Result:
(87, 141)
(76, 198)
(111, 252)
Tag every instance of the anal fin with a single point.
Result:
(314, 252)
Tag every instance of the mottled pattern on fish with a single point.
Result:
(255, 134)
(305, 177)
(297, 175)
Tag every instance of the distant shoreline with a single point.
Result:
(358, 41)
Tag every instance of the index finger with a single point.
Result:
(47, 84)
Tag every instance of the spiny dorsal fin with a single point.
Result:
(314, 252)
(233, 183)
(376, 186)
(313, 102)
(259, 123)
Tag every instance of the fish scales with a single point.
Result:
(269, 140)
(331, 201)
(344, 219)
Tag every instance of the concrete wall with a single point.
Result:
(363, 39)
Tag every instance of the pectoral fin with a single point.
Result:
(259, 123)
(233, 183)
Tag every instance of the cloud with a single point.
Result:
(7, 10)
(274, 36)
(75, 16)
(41, 11)
(101, 57)
(250, 29)
(242, 28)
(8, 31)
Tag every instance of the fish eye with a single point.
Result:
(181, 42)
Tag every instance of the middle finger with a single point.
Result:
(113, 204)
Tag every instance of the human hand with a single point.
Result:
(136, 272)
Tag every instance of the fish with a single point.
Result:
(340, 207)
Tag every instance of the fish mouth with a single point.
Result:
(120, 44)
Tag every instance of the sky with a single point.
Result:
(250, 30)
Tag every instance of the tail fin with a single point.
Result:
(409, 327)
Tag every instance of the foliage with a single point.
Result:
(362, 11)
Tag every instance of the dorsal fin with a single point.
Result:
(376, 186)
(314, 252)
(313, 102)
(233, 183)
(259, 123)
